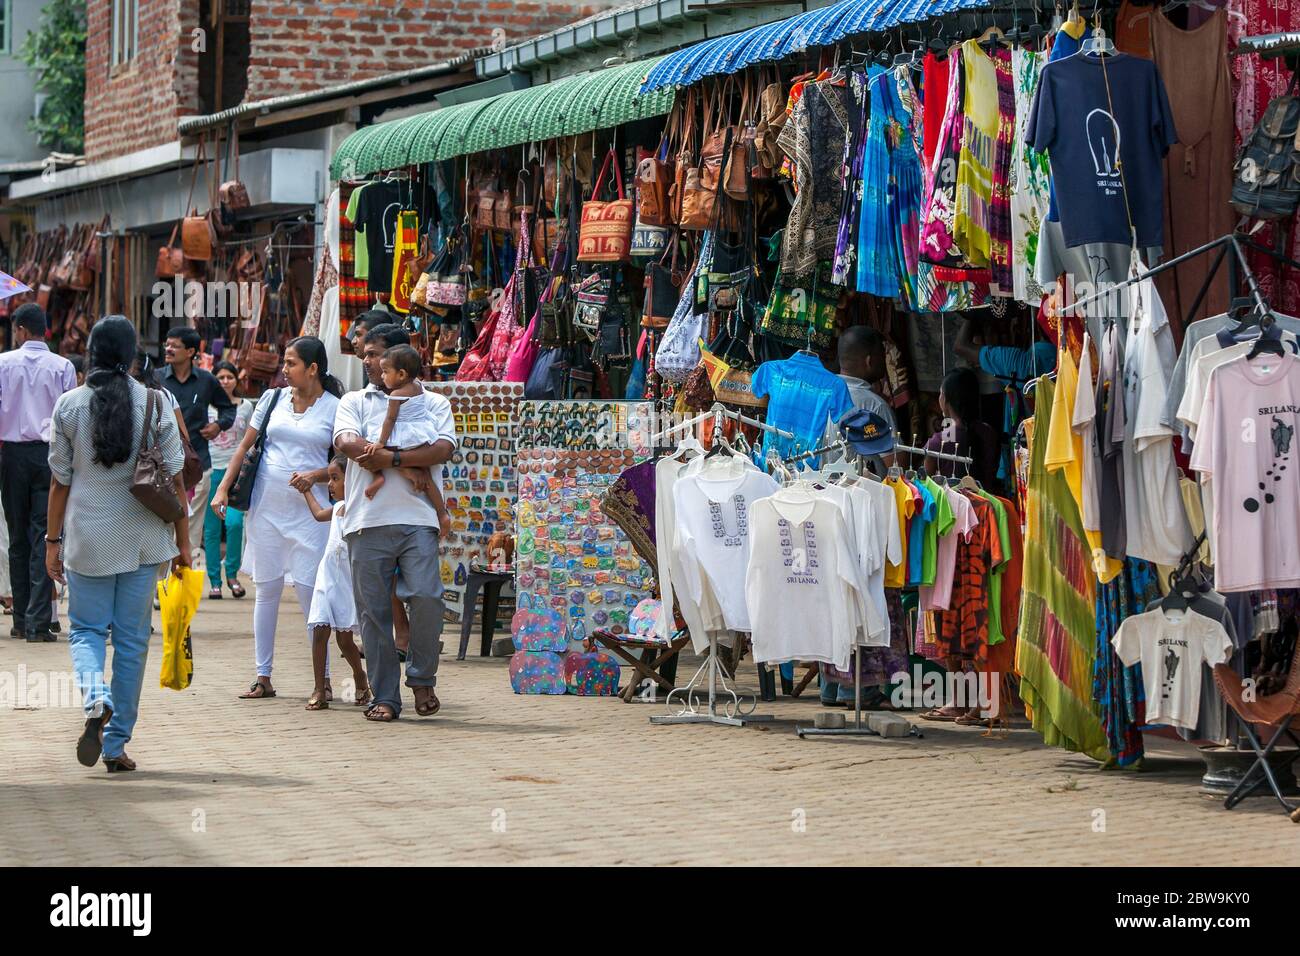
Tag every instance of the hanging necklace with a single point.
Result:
(736, 539)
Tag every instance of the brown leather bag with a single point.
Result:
(196, 237)
(151, 485)
(735, 181)
(503, 208)
(233, 194)
(171, 258)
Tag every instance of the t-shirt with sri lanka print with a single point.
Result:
(1246, 444)
(1171, 646)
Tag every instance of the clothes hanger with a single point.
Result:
(1270, 338)
(688, 444)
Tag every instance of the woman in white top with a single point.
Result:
(285, 541)
(222, 449)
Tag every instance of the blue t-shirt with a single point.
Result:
(1013, 366)
(801, 395)
(1063, 45)
(916, 534)
(1072, 123)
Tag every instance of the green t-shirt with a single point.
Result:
(941, 525)
(996, 635)
(361, 258)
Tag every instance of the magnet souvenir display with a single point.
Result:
(479, 481)
(577, 561)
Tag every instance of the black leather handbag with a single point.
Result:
(240, 496)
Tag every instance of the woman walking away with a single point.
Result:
(332, 604)
(285, 541)
(222, 448)
(115, 547)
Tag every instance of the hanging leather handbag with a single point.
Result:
(736, 176)
(150, 483)
(654, 180)
(233, 194)
(663, 290)
(196, 237)
(171, 258)
(503, 212)
(605, 233)
(240, 495)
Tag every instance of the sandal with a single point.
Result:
(214, 594)
(119, 764)
(329, 692)
(91, 742)
(938, 714)
(364, 699)
(967, 720)
(430, 705)
(380, 714)
(257, 690)
(318, 702)
(236, 589)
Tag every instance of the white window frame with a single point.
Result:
(125, 29)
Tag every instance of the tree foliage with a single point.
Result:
(56, 52)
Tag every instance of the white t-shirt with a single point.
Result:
(1207, 355)
(713, 518)
(703, 618)
(857, 509)
(1156, 522)
(1083, 424)
(888, 542)
(397, 502)
(1171, 647)
(801, 583)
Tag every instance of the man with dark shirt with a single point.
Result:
(196, 389)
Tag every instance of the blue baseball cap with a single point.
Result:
(867, 433)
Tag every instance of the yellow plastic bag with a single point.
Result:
(178, 596)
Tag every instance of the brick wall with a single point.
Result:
(299, 46)
(136, 105)
(294, 46)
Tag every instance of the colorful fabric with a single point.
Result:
(877, 272)
(1116, 688)
(846, 244)
(1000, 248)
(1056, 646)
(537, 673)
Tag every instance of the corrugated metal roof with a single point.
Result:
(774, 41)
(567, 107)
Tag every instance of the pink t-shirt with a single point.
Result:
(1246, 445)
(939, 596)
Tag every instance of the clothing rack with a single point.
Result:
(690, 706)
(718, 412)
(906, 449)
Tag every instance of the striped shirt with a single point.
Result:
(107, 530)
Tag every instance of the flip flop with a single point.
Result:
(373, 712)
(364, 699)
(938, 715)
(315, 702)
(257, 691)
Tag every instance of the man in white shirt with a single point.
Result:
(396, 531)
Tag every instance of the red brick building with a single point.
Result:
(151, 62)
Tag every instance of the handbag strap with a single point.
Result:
(618, 175)
(148, 414)
(260, 440)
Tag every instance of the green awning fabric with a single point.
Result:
(566, 107)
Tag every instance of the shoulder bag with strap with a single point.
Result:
(151, 485)
(240, 496)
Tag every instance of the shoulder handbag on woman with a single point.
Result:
(240, 495)
(151, 485)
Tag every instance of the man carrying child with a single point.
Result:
(394, 530)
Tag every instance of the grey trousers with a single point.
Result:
(376, 555)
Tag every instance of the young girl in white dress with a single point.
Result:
(332, 605)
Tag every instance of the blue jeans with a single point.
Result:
(212, 536)
(124, 601)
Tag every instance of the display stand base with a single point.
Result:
(706, 718)
(1225, 766)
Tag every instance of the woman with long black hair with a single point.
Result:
(115, 548)
(284, 541)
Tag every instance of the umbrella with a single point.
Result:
(11, 286)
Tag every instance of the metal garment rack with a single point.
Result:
(690, 706)
(906, 449)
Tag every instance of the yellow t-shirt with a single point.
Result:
(896, 574)
(1064, 452)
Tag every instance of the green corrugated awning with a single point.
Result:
(565, 107)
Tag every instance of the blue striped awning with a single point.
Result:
(774, 41)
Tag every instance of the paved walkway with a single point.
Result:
(497, 778)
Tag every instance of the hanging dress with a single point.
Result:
(1030, 181)
(1056, 646)
(877, 273)
(846, 245)
(906, 184)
